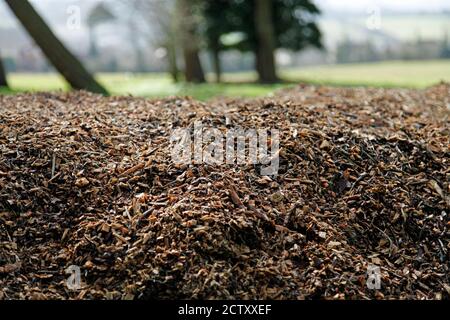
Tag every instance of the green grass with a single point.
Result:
(148, 85)
(410, 74)
(413, 74)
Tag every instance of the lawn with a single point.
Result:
(413, 74)
(149, 85)
(410, 74)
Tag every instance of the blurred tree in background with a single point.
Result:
(98, 15)
(265, 40)
(217, 21)
(63, 60)
(159, 24)
(189, 18)
(266, 25)
(445, 50)
(3, 82)
(180, 30)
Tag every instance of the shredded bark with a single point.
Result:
(89, 181)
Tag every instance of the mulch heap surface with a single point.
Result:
(363, 183)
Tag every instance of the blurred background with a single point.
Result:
(210, 48)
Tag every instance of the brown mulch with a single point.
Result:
(364, 180)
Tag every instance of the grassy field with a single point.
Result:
(410, 74)
(413, 74)
(150, 85)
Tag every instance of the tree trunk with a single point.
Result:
(192, 67)
(216, 63)
(93, 50)
(139, 60)
(3, 82)
(172, 61)
(66, 63)
(140, 65)
(265, 32)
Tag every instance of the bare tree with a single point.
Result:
(164, 14)
(265, 55)
(63, 60)
(158, 24)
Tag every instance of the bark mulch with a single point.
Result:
(363, 181)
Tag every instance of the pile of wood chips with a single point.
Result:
(363, 182)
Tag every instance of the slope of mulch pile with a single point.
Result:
(363, 181)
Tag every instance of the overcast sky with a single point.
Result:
(55, 10)
(339, 5)
(394, 5)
